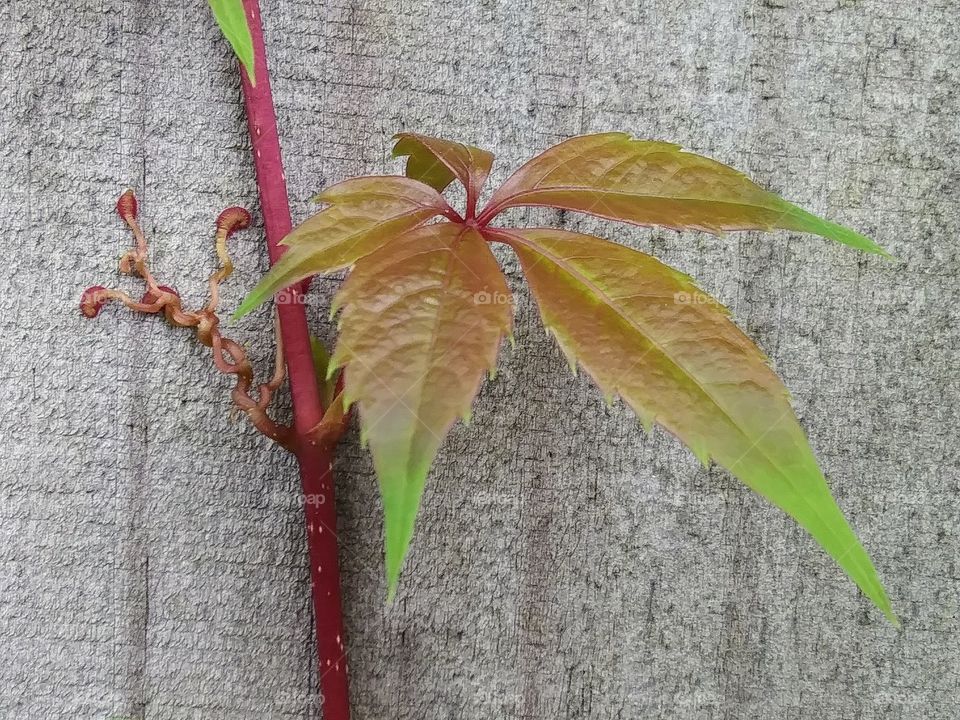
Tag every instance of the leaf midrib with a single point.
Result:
(512, 200)
(448, 253)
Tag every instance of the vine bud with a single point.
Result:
(127, 206)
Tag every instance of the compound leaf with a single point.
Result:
(364, 214)
(421, 323)
(437, 162)
(655, 183)
(645, 332)
(232, 20)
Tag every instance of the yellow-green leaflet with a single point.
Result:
(364, 214)
(647, 182)
(646, 333)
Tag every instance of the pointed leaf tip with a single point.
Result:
(399, 525)
(798, 219)
(232, 19)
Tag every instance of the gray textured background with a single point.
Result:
(152, 559)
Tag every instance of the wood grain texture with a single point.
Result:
(152, 560)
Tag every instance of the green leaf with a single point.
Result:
(364, 214)
(646, 182)
(645, 332)
(421, 325)
(232, 20)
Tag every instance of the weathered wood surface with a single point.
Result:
(567, 565)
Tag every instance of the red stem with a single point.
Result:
(316, 469)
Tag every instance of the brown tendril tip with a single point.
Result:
(228, 356)
(127, 206)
